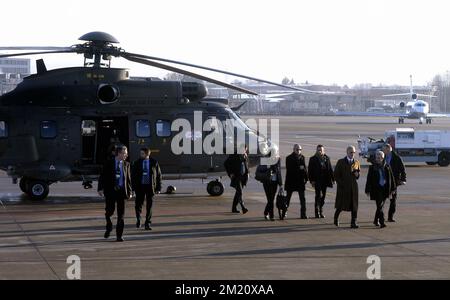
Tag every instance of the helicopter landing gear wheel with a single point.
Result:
(171, 189)
(23, 185)
(37, 190)
(215, 188)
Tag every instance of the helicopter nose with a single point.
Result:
(273, 156)
(268, 154)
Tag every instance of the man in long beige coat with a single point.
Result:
(346, 174)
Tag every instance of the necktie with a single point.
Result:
(146, 173)
(119, 174)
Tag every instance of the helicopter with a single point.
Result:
(58, 125)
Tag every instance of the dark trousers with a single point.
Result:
(301, 195)
(144, 193)
(379, 214)
(354, 215)
(271, 190)
(238, 196)
(392, 205)
(116, 197)
(319, 201)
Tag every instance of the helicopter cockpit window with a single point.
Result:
(143, 128)
(163, 128)
(88, 128)
(238, 121)
(3, 129)
(48, 129)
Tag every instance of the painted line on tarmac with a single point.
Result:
(31, 243)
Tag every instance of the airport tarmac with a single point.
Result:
(195, 236)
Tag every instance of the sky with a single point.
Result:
(319, 41)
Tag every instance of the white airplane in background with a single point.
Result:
(414, 109)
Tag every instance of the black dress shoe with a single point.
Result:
(147, 226)
(354, 226)
(244, 210)
(235, 211)
(304, 217)
(382, 225)
(336, 222)
(107, 233)
(321, 215)
(119, 239)
(391, 220)
(376, 224)
(138, 223)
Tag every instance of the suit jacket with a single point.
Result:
(373, 182)
(398, 168)
(155, 175)
(233, 167)
(107, 179)
(296, 173)
(319, 176)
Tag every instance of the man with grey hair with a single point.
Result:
(398, 169)
(379, 185)
(346, 174)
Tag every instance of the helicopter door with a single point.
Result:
(98, 136)
(110, 131)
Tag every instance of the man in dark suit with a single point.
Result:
(114, 184)
(236, 166)
(346, 173)
(398, 169)
(146, 182)
(321, 177)
(296, 178)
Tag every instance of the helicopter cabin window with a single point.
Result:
(143, 128)
(88, 128)
(3, 129)
(163, 128)
(48, 129)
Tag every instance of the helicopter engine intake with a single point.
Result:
(108, 94)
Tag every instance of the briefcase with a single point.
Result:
(281, 203)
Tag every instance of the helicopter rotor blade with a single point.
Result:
(177, 70)
(68, 50)
(34, 48)
(220, 71)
